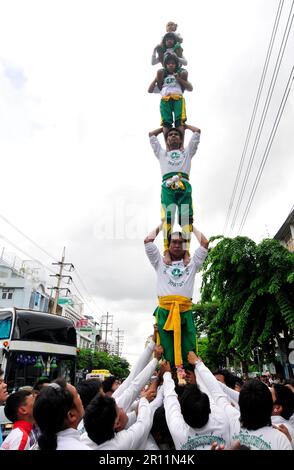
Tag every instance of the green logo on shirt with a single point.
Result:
(176, 272)
(174, 155)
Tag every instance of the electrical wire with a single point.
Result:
(268, 148)
(255, 107)
(264, 112)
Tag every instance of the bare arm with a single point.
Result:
(155, 60)
(192, 128)
(184, 83)
(201, 238)
(156, 132)
(152, 235)
(152, 85)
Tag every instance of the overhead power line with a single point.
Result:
(28, 238)
(33, 258)
(264, 112)
(268, 148)
(257, 99)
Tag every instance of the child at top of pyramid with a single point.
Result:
(171, 83)
(170, 44)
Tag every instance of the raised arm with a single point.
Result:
(201, 238)
(154, 59)
(192, 128)
(153, 234)
(152, 85)
(156, 132)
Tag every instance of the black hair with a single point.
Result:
(169, 58)
(99, 419)
(170, 237)
(40, 383)
(160, 430)
(195, 406)
(88, 389)
(13, 402)
(107, 383)
(174, 129)
(256, 404)
(238, 381)
(230, 379)
(285, 398)
(50, 411)
(169, 36)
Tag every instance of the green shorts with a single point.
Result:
(188, 335)
(177, 198)
(173, 111)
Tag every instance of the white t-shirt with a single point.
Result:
(265, 438)
(70, 439)
(127, 439)
(171, 86)
(185, 437)
(280, 420)
(175, 279)
(175, 160)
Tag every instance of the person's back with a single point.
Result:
(105, 425)
(193, 422)
(255, 427)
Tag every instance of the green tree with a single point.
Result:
(102, 360)
(253, 287)
(208, 334)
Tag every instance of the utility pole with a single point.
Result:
(106, 320)
(119, 341)
(60, 276)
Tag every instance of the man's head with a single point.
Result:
(171, 63)
(58, 406)
(174, 139)
(88, 389)
(160, 430)
(103, 409)
(195, 406)
(171, 27)
(283, 401)
(19, 406)
(110, 384)
(256, 404)
(169, 40)
(176, 246)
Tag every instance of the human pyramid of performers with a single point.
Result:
(176, 269)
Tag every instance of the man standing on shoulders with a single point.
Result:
(175, 285)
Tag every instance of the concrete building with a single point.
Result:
(285, 234)
(22, 284)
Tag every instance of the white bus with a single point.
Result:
(36, 344)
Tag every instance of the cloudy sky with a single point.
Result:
(76, 166)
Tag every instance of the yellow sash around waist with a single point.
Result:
(175, 304)
(171, 97)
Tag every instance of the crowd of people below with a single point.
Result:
(149, 410)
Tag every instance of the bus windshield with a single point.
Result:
(5, 324)
(36, 344)
(27, 368)
(33, 326)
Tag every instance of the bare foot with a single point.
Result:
(166, 257)
(186, 259)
